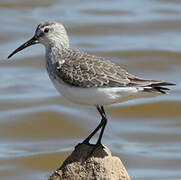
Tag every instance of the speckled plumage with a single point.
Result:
(80, 69)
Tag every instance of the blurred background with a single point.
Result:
(39, 128)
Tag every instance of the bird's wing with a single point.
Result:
(84, 70)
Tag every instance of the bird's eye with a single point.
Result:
(46, 30)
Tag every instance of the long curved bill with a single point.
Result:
(32, 41)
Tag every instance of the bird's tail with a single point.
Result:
(158, 86)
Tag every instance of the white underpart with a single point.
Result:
(101, 96)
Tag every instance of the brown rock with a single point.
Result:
(101, 165)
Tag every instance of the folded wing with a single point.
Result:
(85, 70)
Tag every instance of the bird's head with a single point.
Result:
(49, 34)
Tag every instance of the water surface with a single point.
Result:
(39, 128)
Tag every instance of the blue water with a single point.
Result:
(39, 128)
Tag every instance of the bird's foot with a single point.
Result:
(95, 147)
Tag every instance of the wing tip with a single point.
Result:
(167, 84)
(160, 89)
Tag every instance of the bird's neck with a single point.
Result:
(55, 53)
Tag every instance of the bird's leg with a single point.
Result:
(103, 125)
(102, 108)
(104, 121)
(86, 141)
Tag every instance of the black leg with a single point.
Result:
(102, 108)
(104, 119)
(101, 124)
(86, 141)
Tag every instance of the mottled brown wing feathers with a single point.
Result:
(135, 81)
(84, 70)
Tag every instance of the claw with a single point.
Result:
(94, 148)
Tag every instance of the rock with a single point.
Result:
(101, 165)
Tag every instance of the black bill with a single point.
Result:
(32, 41)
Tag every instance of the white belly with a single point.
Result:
(100, 96)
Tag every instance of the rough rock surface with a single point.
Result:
(100, 165)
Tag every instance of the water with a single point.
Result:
(39, 128)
